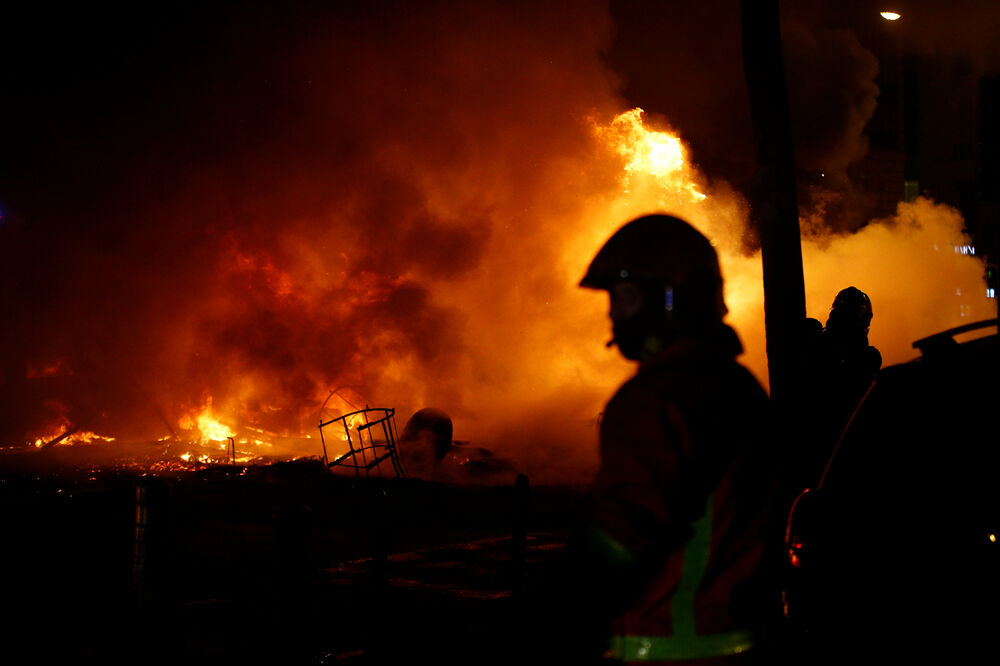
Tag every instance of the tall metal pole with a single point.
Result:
(774, 208)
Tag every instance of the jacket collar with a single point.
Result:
(720, 340)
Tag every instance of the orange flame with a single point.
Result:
(210, 429)
(653, 153)
(889, 259)
(77, 437)
(61, 431)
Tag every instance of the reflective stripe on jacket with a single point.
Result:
(685, 643)
(686, 484)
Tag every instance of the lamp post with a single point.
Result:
(774, 207)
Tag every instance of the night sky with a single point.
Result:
(89, 92)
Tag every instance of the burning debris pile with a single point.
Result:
(397, 211)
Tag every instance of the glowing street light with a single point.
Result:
(890, 16)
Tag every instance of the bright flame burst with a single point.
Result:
(219, 441)
(658, 154)
(211, 429)
(659, 176)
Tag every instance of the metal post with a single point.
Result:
(774, 207)
(519, 534)
(149, 567)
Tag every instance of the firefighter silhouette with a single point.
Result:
(672, 547)
(840, 366)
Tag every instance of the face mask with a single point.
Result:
(630, 336)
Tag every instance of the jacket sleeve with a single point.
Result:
(643, 498)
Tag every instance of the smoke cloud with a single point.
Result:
(393, 205)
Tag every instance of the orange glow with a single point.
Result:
(655, 153)
(48, 368)
(210, 429)
(795, 550)
(337, 404)
(87, 437)
(892, 260)
(413, 223)
(658, 176)
(77, 437)
(492, 328)
(277, 280)
(61, 431)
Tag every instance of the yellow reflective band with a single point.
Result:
(696, 554)
(676, 648)
(685, 643)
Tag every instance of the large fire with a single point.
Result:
(408, 230)
(654, 172)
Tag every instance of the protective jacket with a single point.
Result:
(685, 490)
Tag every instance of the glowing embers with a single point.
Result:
(372, 443)
(211, 441)
(47, 368)
(206, 458)
(794, 552)
(656, 154)
(67, 435)
(62, 431)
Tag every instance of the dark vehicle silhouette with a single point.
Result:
(894, 551)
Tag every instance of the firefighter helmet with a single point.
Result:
(851, 309)
(666, 252)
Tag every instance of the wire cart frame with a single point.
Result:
(366, 454)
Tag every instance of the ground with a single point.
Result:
(281, 563)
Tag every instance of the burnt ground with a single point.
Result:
(282, 563)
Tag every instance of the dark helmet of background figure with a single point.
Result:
(666, 252)
(851, 307)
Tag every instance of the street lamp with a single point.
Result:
(890, 16)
